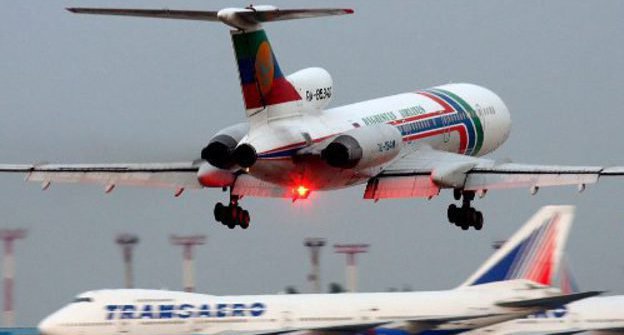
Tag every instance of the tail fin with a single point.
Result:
(262, 81)
(532, 253)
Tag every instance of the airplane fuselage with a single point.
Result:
(459, 118)
(152, 312)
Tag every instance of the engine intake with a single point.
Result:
(364, 147)
(219, 151)
(343, 152)
(245, 155)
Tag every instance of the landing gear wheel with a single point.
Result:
(232, 215)
(219, 212)
(471, 216)
(245, 218)
(465, 216)
(452, 212)
(479, 221)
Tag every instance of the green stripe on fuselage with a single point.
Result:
(473, 116)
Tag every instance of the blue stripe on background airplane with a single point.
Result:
(516, 281)
(408, 145)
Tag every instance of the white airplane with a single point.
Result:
(408, 145)
(514, 282)
(600, 315)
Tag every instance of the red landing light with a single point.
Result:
(301, 192)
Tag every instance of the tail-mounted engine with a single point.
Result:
(362, 148)
(220, 150)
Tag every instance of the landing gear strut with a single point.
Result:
(232, 215)
(465, 216)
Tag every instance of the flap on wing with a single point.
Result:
(450, 170)
(613, 171)
(607, 330)
(420, 324)
(347, 328)
(178, 175)
(246, 185)
(415, 186)
(549, 302)
(437, 321)
(520, 175)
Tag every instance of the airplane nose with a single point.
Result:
(48, 327)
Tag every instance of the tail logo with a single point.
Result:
(532, 258)
(265, 68)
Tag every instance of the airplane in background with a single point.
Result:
(602, 315)
(409, 145)
(514, 282)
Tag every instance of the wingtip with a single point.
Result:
(349, 11)
(71, 9)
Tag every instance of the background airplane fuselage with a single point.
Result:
(151, 312)
(460, 118)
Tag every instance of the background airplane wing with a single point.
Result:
(412, 325)
(422, 173)
(549, 302)
(175, 175)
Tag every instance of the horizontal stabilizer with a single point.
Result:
(241, 18)
(155, 13)
(549, 302)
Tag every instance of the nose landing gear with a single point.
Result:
(465, 216)
(232, 215)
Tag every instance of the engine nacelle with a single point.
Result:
(314, 85)
(364, 147)
(219, 150)
(211, 176)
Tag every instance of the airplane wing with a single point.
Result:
(412, 325)
(174, 175)
(180, 176)
(549, 302)
(423, 172)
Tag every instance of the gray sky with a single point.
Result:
(103, 89)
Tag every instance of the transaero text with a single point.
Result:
(184, 311)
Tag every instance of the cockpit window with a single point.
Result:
(83, 299)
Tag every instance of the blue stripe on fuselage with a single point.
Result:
(465, 120)
(284, 153)
(406, 130)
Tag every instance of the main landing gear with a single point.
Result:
(465, 216)
(232, 215)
